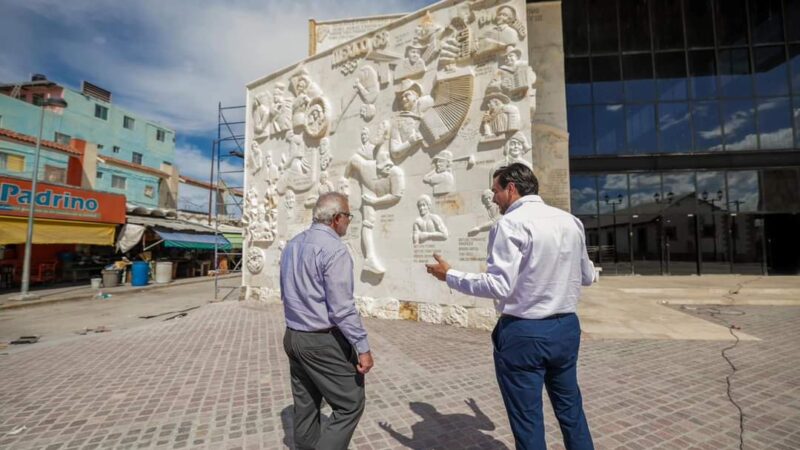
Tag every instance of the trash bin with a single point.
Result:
(140, 273)
(163, 271)
(96, 283)
(110, 278)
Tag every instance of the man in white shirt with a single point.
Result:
(536, 265)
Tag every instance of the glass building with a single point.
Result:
(684, 122)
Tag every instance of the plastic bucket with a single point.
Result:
(110, 278)
(140, 273)
(163, 271)
(96, 283)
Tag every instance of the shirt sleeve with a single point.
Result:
(341, 304)
(587, 266)
(502, 267)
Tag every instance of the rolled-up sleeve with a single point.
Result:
(502, 267)
(338, 274)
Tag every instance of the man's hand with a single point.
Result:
(438, 270)
(365, 363)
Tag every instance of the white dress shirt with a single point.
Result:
(536, 265)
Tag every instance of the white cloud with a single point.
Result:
(193, 162)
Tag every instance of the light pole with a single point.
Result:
(614, 204)
(665, 239)
(713, 216)
(24, 293)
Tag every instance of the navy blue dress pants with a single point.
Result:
(529, 353)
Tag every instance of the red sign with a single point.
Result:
(60, 202)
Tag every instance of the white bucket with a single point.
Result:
(96, 283)
(163, 271)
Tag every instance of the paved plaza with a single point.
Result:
(218, 378)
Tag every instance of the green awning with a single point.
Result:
(193, 241)
(235, 239)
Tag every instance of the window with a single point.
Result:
(160, 134)
(62, 138)
(99, 147)
(99, 175)
(149, 191)
(166, 163)
(12, 163)
(37, 99)
(127, 122)
(118, 182)
(53, 174)
(137, 158)
(116, 149)
(101, 112)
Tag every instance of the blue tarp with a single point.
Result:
(193, 241)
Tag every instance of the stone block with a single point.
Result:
(409, 311)
(429, 312)
(386, 308)
(482, 318)
(364, 305)
(456, 315)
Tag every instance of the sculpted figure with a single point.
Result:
(501, 117)
(304, 90)
(289, 200)
(413, 66)
(323, 187)
(273, 173)
(325, 157)
(382, 184)
(505, 30)
(260, 115)
(441, 177)
(428, 226)
(405, 134)
(515, 76)
(255, 157)
(513, 151)
(281, 113)
(491, 209)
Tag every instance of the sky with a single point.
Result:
(172, 61)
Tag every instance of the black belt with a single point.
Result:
(323, 331)
(554, 316)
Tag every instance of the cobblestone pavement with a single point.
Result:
(218, 378)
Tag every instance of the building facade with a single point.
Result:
(684, 123)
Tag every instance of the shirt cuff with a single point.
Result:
(362, 346)
(452, 277)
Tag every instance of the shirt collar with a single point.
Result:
(324, 228)
(526, 199)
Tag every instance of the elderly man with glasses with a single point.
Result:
(325, 340)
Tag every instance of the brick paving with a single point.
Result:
(218, 379)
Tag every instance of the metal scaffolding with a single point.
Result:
(227, 181)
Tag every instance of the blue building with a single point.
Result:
(91, 143)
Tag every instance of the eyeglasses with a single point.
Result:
(348, 215)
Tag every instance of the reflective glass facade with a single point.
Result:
(683, 90)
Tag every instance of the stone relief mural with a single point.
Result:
(408, 121)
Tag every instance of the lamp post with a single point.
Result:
(713, 216)
(24, 293)
(665, 239)
(614, 204)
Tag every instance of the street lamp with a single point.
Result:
(614, 204)
(24, 293)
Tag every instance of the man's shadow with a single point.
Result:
(455, 431)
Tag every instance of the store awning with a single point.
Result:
(14, 230)
(177, 239)
(235, 239)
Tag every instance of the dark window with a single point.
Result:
(699, 23)
(640, 124)
(118, 182)
(634, 25)
(603, 26)
(770, 71)
(166, 163)
(732, 22)
(796, 119)
(667, 26)
(637, 71)
(576, 33)
(99, 175)
(738, 118)
(62, 138)
(99, 147)
(579, 88)
(702, 72)
(775, 123)
(734, 73)
(101, 112)
(53, 174)
(673, 124)
(606, 86)
(766, 21)
(792, 20)
(671, 75)
(794, 63)
(583, 195)
(707, 126)
(137, 158)
(609, 128)
(160, 135)
(581, 137)
(127, 122)
(37, 99)
(780, 188)
(115, 149)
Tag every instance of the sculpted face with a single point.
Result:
(424, 208)
(413, 55)
(495, 104)
(441, 165)
(515, 148)
(511, 59)
(504, 15)
(364, 136)
(409, 99)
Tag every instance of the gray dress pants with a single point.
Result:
(323, 365)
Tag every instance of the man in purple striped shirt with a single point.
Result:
(325, 340)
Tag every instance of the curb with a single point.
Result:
(18, 304)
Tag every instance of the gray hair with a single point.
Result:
(328, 206)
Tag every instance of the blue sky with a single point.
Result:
(169, 60)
